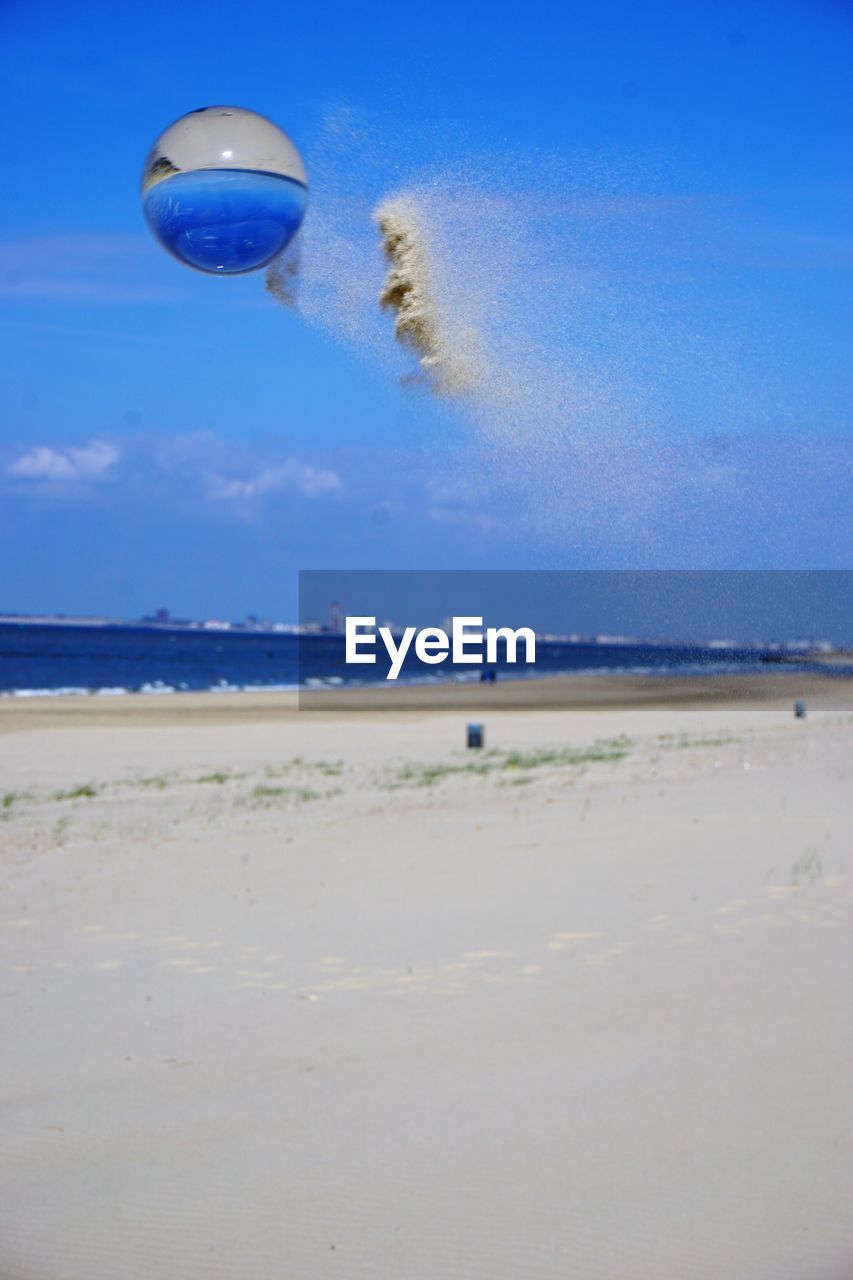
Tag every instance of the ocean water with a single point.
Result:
(43, 659)
(225, 220)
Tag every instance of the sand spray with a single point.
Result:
(547, 303)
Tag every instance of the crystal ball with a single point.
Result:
(224, 190)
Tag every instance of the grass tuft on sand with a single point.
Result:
(85, 791)
(499, 762)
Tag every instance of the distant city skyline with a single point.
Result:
(721, 607)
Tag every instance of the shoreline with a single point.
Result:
(550, 693)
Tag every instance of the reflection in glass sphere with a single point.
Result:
(224, 190)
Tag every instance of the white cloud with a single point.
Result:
(289, 476)
(42, 464)
(90, 462)
(239, 475)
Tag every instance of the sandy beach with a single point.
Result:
(555, 693)
(327, 995)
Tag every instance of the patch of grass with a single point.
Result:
(328, 768)
(153, 783)
(678, 741)
(611, 749)
(426, 775)
(265, 795)
(496, 761)
(303, 794)
(86, 791)
(11, 798)
(807, 868)
(214, 779)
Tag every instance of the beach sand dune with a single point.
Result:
(313, 997)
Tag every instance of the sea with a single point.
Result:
(115, 660)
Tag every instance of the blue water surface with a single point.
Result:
(118, 659)
(225, 221)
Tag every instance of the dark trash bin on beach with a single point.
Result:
(800, 709)
(475, 735)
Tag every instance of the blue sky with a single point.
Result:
(171, 439)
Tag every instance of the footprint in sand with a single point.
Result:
(780, 891)
(487, 955)
(729, 908)
(564, 941)
(609, 953)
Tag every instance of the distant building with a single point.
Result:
(335, 617)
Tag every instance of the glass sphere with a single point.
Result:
(224, 190)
